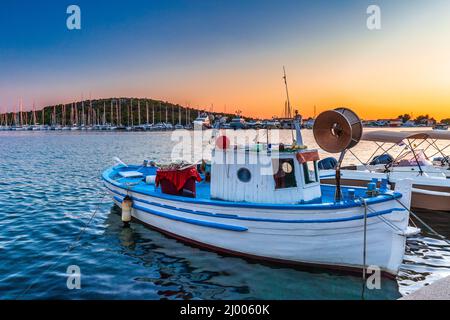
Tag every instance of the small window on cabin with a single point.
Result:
(310, 172)
(285, 176)
(244, 175)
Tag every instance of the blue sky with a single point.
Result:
(186, 51)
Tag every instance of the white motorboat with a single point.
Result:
(431, 183)
(202, 121)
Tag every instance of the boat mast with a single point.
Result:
(132, 116)
(119, 123)
(288, 113)
(111, 116)
(83, 123)
(63, 115)
(128, 115)
(146, 108)
(104, 112)
(34, 113)
(54, 115)
(20, 113)
(71, 114)
(77, 120)
(288, 109)
(139, 112)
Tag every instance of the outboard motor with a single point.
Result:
(329, 163)
(382, 159)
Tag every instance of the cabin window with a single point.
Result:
(285, 176)
(244, 175)
(310, 172)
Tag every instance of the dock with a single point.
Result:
(439, 290)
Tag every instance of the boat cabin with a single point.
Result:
(264, 176)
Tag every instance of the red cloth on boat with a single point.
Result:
(177, 177)
(303, 157)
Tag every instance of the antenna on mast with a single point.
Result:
(288, 113)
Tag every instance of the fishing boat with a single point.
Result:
(266, 202)
(415, 159)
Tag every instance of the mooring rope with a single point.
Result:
(430, 229)
(392, 226)
(68, 250)
(364, 249)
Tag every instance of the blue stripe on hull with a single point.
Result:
(202, 223)
(235, 217)
(331, 206)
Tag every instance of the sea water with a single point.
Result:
(50, 189)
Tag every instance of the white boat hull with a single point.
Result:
(328, 238)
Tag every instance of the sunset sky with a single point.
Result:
(230, 54)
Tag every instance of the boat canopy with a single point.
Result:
(437, 135)
(392, 136)
(397, 137)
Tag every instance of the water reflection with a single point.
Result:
(180, 271)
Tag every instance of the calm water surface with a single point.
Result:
(50, 186)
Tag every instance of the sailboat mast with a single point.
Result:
(34, 113)
(118, 113)
(131, 108)
(104, 113)
(83, 122)
(91, 114)
(146, 109)
(20, 112)
(288, 113)
(75, 110)
(128, 115)
(160, 112)
(15, 115)
(139, 112)
(71, 114)
(112, 113)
